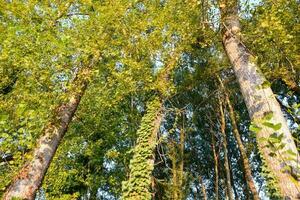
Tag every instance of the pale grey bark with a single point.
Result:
(260, 101)
(30, 177)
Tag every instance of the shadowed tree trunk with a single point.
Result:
(175, 180)
(216, 164)
(181, 162)
(260, 101)
(204, 195)
(245, 160)
(232, 182)
(177, 166)
(30, 177)
(224, 143)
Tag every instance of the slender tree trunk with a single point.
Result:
(142, 163)
(246, 165)
(260, 101)
(216, 164)
(153, 187)
(226, 187)
(232, 181)
(246, 190)
(30, 177)
(224, 142)
(292, 85)
(176, 156)
(181, 164)
(175, 184)
(204, 195)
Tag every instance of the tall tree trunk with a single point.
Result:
(216, 164)
(224, 143)
(232, 181)
(142, 163)
(245, 160)
(153, 187)
(30, 177)
(175, 181)
(260, 101)
(181, 163)
(204, 195)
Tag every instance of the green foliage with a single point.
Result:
(146, 47)
(277, 147)
(271, 181)
(142, 163)
(272, 33)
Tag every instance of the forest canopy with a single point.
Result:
(149, 99)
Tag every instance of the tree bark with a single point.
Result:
(232, 181)
(216, 164)
(204, 195)
(260, 101)
(224, 143)
(246, 165)
(30, 177)
(245, 160)
(173, 158)
(181, 162)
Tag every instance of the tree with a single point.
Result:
(30, 177)
(149, 125)
(225, 147)
(142, 163)
(262, 106)
(246, 165)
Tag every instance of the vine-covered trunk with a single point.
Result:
(224, 143)
(245, 160)
(142, 163)
(29, 178)
(275, 141)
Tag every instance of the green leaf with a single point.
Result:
(275, 127)
(290, 152)
(268, 116)
(3, 117)
(266, 84)
(254, 128)
(262, 139)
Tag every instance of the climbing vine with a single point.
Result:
(142, 163)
